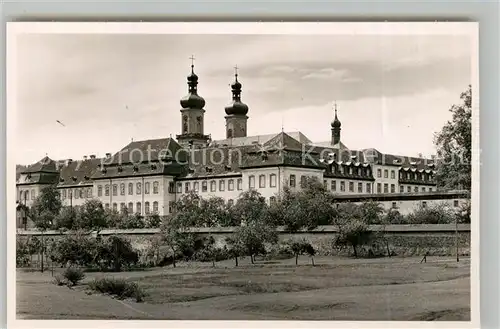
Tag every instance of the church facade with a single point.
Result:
(148, 176)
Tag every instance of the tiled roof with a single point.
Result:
(78, 172)
(260, 139)
(40, 178)
(139, 170)
(145, 151)
(44, 165)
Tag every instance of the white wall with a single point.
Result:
(391, 179)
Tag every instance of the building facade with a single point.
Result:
(148, 176)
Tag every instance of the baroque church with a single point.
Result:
(148, 176)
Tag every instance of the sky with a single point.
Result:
(393, 92)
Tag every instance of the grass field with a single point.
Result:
(334, 289)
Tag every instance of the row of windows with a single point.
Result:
(350, 170)
(27, 195)
(415, 176)
(386, 173)
(415, 189)
(138, 189)
(352, 187)
(195, 186)
(138, 207)
(77, 193)
(262, 181)
(456, 204)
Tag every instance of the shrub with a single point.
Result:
(73, 275)
(60, 280)
(438, 214)
(118, 287)
(116, 252)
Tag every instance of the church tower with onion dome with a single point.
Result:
(236, 112)
(192, 115)
(336, 129)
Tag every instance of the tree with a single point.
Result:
(153, 221)
(353, 233)
(215, 212)
(92, 216)
(235, 247)
(453, 145)
(48, 200)
(300, 247)
(251, 207)
(66, 219)
(371, 212)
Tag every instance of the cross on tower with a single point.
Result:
(236, 69)
(192, 60)
(335, 106)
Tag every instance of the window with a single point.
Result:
(222, 185)
(213, 186)
(99, 191)
(455, 203)
(341, 169)
(122, 207)
(379, 173)
(138, 208)
(155, 207)
(106, 190)
(394, 205)
(351, 186)
(423, 189)
(401, 189)
(204, 186)
(359, 171)
(239, 184)
(325, 183)
(187, 187)
(386, 188)
(179, 187)
(80, 191)
(393, 188)
(230, 185)
(156, 186)
(122, 189)
(251, 182)
(368, 188)
(303, 180)
(32, 194)
(262, 181)
(77, 194)
(272, 200)
(334, 185)
(379, 188)
(230, 202)
(393, 174)
(146, 207)
(138, 188)
(106, 206)
(115, 207)
(360, 187)
(130, 208)
(63, 193)
(430, 189)
(272, 180)
(386, 173)
(170, 206)
(424, 204)
(146, 188)
(416, 189)
(115, 190)
(196, 187)
(90, 192)
(171, 187)
(350, 171)
(292, 180)
(130, 188)
(342, 186)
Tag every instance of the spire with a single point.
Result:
(336, 122)
(192, 100)
(236, 107)
(335, 127)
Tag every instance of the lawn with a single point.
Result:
(334, 289)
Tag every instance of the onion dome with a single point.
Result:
(236, 107)
(336, 122)
(192, 100)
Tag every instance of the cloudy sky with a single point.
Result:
(393, 92)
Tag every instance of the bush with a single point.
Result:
(60, 280)
(437, 214)
(116, 252)
(118, 287)
(73, 275)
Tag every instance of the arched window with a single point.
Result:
(32, 194)
(106, 190)
(64, 194)
(99, 190)
(213, 186)
(230, 185)
(196, 187)
(122, 207)
(130, 208)
(26, 195)
(146, 207)
(115, 190)
(115, 207)
(272, 200)
(222, 185)
(204, 186)
(251, 181)
(292, 181)
(239, 184)
(146, 188)
(155, 207)
(272, 180)
(229, 133)
(130, 188)
(138, 188)
(138, 208)
(262, 181)
(155, 187)
(230, 202)
(122, 189)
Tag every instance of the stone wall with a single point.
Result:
(403, 240)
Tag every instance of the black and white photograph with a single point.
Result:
(243, 171)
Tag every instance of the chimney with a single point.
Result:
(92, 156)
(84, 157)
(108, 155)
